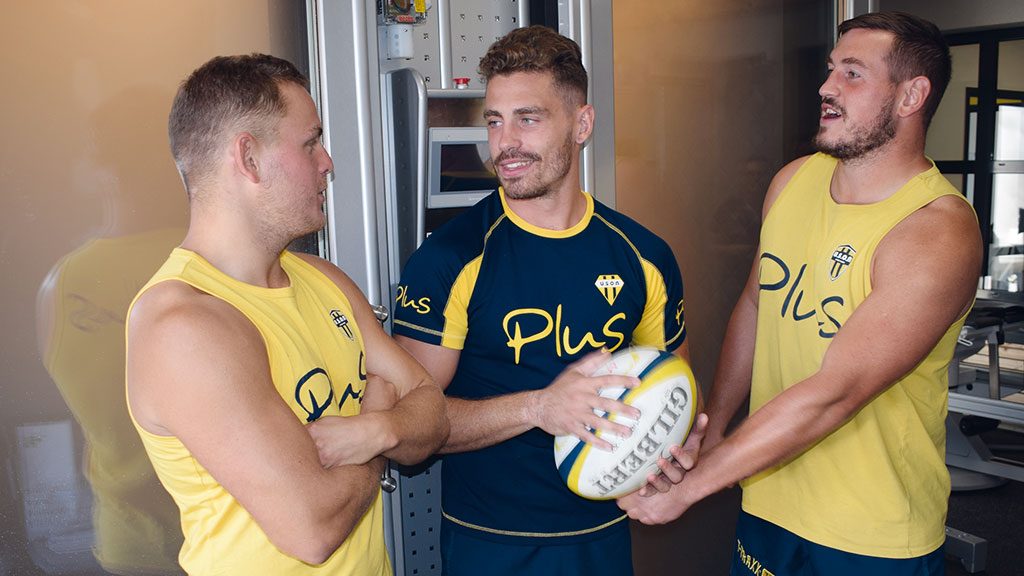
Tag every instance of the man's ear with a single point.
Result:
(244, 154)
(913, 95)
(584, 123)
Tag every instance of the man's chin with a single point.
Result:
(314, 226)
(514, 193)
(835, 149)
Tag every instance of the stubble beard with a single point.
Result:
(524, 188)
(281, 225)
(862, 141)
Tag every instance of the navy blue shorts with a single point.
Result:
(764, 549)
(462, 554)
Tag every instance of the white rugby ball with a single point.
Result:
(666, 397)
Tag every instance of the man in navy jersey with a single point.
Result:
(507, 305)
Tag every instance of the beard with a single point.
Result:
(862, 140)
(538, 185)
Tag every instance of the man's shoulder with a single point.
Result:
(823, 163)
(941, 239)
(171, 321)
(291, 260)
(647, 243)
(462, 238)
(938, 211)
(177, 306)
(946, 218)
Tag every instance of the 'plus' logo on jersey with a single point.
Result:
(609, 285)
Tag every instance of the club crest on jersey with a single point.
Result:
(842, 257)
(341, 321)
(609, 285)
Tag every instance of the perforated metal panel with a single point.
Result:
(454, 36)
(426, 42)
(416, 514)
(475, 25)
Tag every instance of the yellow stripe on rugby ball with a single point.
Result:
(666, 397)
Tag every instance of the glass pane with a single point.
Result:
(1007, 250)
(972, 140)
(1010, 130)
(84, 232)
(1011, 65)
(1010, 113)
(946, 134)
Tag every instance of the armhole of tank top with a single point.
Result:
(155, 282)
(127, 399)
(785, 192)
(874, 249)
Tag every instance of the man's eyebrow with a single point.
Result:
(855, 62)
(531, 110)
(537, 110)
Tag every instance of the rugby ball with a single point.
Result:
(666, 397)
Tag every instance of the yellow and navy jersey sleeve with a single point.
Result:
(439, 279)
(663, 324)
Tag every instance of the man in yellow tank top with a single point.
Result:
(867, 267)
(240, 352)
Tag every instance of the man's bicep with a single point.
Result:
(923, 279)
(440, 362)
(930, 263)
(204, 377)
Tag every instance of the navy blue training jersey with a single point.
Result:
(521, 303)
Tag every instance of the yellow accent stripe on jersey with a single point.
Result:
(651, 330)
(679, 333)
(621, 233)
(487, 236)
(533, 534)
(456, 321)
(418, 328)
(646, 263)
(456, 318)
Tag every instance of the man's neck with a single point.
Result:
(878, 175)
(560, 209)
(235, 251)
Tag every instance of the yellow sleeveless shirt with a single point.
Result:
(878, 485)
(134, 519)
(316, 363)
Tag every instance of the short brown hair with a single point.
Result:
(226, 93)
(539, 49)
(918, 49)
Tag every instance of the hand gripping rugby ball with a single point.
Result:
(666, 397)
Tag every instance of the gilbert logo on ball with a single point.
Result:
(665, 396)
